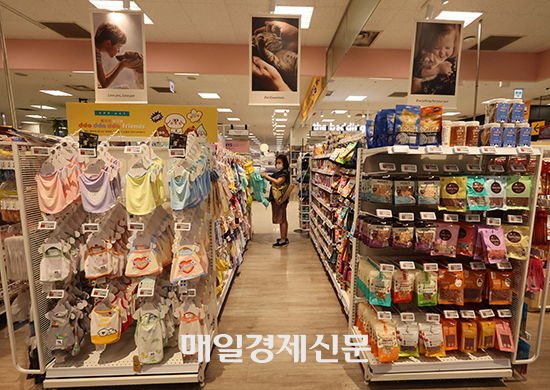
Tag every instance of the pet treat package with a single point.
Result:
(370, 133)
(407, 338)
(450, 333)
(379, 129)
(504, 337)
(458, 134)
(494, 246)
(379, 236)
(472, 133)
(390, 127)
(524, 134)
(404, 191)
(490, 135)
(446, 239)
(451, 287)
(432, 334)
(467, 336)
(509, 135)
(380, 288)
(474, 285)
(518, 192)
(428, 191)
(386, 341)
(496, 191)
(486, 332)
(407, 125)
(402, 237)
(380, 190)
(465, 244)
(499, 287)
(516, 238)
(425, 238)
(516, 111)
(403, 286)
(477, 196)
(425, 289)
(453, 193)
(430, 125)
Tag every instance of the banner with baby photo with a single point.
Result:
(274, 60)
(435, 63)
(118, 44)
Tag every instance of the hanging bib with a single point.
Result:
(105, 326)
(54, 266)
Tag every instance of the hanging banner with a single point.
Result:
(435, 63)
(274, 61)
(118, 45)
(238, 146)
(143, 120)
(313, 93)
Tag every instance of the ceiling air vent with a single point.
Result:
(398, 94)
(495, 42)
(365, 38)
(329, 93)
(68, 30)
(80, 88)
(162, 89)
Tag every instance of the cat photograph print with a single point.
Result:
(274, 60)
(435, 61)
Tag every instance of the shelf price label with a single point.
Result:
(387, 166)
(183, 226)
(432, 317)
(515, 218)
(387, 268)
(434, 149)
(406, 265)
(467, 314)
(473, 218)
(90, 227)
(88, 152)
(427, 215)
(488, 150)
(455, 267)
(473, 168)
(177, 152)
(430, 168)
(477, 265)
(406, 217)
(461, 149)
(451, 168)
(450, 217)
(56, 294)
(47, 225)
(100, 292)
(384, 315)
(504, 313)
(40, 151)
(407, 317)
(449, 314)
(132, 149)
(525, 150)
(430, 267)
(486, 313)
(504, 266)
(400, 149)
(409, 168)
(146, 287)
(494, 168)
(137, 226)
(518, 168)
(494, 221)
(383, 213)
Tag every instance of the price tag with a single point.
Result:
(515, 218)
(450, 217)
(177, 152)
(477, 265)
(146, 287)
(493, 221)
(47, 225)
(56, 294)
(190, 293)
(183, 226)
(88, 152)
(449, 314)
(387, 268)
(427, 215)
(384, 315)
(494, 168)
(525, 150)
(430, 168)
(432, 317)
(401, 148)
(455, 267)
(473, 168)
(182, 285)
(407, 317)
(383, 213)
(407, 265)
(467, 314)
(486, 313)
(410, 168)
(504, 313)
(40, 151)
(387, 166)
(473, 218)
(434, 149)
(430, 267)
(100, 292)
(488, 150)
(90, 227)
(451, 168)
(504, 266)
(461, 150)
(406, 216)
(138, 226)
(132, 149)
(518, 168)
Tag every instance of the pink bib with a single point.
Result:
(51, 196)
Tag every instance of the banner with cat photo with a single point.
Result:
(274, 61)
(435, 63)
(118, 44)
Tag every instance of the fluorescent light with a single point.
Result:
(381, 78)
(281, 119)
(234, 119)
(30, 122)
(186, 74)
(55, 92)
(208, 95)
(327, 120)
(355, 98)
(339, 111)
(305, 12)
(225, 110)
(230, 139)
(83, 71)
(281, 110)
(466, 17)
(450, 113)
(118, 5)
(36, 116)
(43, 107)
(279, 131)
(279, 126)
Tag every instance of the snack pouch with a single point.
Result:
(494, 246)
(433, 339)
(390, 126)
(486, 333)
(370, 133)
(380, 288)
(453, 193)
(450, 333)
(402, 237)
(477, 197)
(468, 336)
(499, 286)
(430, 125)
(496, 191)
(518, 192)
(380, 190)
(407, 339)
(504, 337)
(451, 287)
(446, 240)
(516, 238)
(425, 238)
(465, 244)
(479, 248)
(379, 128)
(428, 191)
(407, 125)
(425, 289)
(379, 236)
(404, 191)
(474, 285)
(386, 342)
(403, 286)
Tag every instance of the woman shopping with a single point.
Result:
(280, 184)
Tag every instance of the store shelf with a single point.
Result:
(324, 187)
(226, 287)
(323, 172)
(321, 157)
(322, 233)
(322, 216)
(321, 201)
(445, 150)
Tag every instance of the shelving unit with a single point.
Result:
(304, 190)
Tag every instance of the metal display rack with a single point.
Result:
(304, 204)
(399, 160)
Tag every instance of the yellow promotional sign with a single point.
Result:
(142, 120)
(536, 127)
(527, 111)
(311, 97)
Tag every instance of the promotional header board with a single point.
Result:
(313, 93)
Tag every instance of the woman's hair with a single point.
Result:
(109, 32)
(284, 160)
(431, 32)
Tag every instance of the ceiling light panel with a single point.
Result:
(83, 71)
(305, 12)
(450, 113)
(355, 98)
(234, 119)
(55, 92)
(281, 119)
(339, 111)
(466, 17)
(43, 107)
(327, 120)
(208, 95)
(186, 74)
(36, 116)
(225, 110)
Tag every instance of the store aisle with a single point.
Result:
(261, 218)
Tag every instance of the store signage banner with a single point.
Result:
(274, 61)
(143, 120)
(238, 146)
(313, 93)
(333, 127)
(118, 44)
(435, 63)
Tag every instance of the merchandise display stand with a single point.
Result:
(393, 162)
